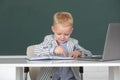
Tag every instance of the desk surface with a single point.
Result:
(21, 61)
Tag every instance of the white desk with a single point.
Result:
(114, 72)
(20, 61)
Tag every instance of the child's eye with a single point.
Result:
(66, 34)
(59, 34)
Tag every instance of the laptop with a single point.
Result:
(112, 45)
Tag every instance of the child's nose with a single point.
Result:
(62, 36)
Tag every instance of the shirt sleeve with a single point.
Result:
(52, 50)
(44, 47)
(85, 53)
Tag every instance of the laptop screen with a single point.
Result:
(112, 43)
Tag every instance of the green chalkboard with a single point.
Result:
(26, 22)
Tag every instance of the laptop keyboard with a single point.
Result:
(91, 58)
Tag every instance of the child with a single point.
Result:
(60, 43)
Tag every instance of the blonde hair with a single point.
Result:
(64, 18)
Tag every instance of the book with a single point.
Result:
(48, 58)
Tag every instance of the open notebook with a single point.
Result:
(48, 58)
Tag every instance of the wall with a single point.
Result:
(26, 22)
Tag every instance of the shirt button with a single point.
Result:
(50, 76)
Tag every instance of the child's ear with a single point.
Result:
(72, 30)
(52, 28)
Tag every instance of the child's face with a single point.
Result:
(61, 32)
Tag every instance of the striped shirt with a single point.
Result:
(47, 48)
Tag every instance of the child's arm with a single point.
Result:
(79, 51)
(59, 50)
(75, 54)
(48, 47)
(44, 47)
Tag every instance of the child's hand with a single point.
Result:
(59, 50)
(75, 54)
